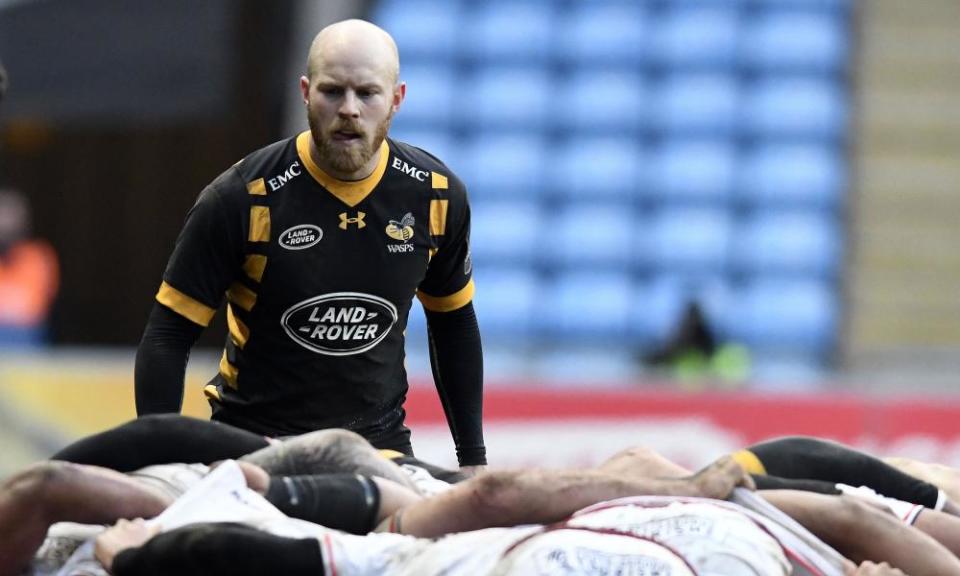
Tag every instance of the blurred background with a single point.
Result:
(696, 223)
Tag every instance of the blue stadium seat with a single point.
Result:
(506, 302)
(838, 5)
(776, 315)
(604, 34)
(510, 165)
(515, 32)
(796, 107)
(694, 170)
(601, 102)
(506, 231)
(700, 36)
(803, 175)
(598, 168)
(590, 235)
(789, 243)
(508, 97)
(423, 29)
(780, 40)
(699, 103)
(582, 306)
(690, 241)
(430, 97)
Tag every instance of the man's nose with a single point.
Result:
(350, 105)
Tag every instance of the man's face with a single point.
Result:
(350, 103)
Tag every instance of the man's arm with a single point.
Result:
(208, 256)
(509, 498)
(162, 361)
(456, 356)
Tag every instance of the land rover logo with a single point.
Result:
(340, 324)
(300, 237)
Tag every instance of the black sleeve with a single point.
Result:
(816, 459)
(211, 549)
(161, 439)
(456, 356)
(162, 361)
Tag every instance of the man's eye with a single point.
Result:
(331, 91)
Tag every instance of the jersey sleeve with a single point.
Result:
(208, 253)
(448, 284)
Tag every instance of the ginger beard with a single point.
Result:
(351, 155)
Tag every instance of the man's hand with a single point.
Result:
(471, 471)
(123, 535)
(881, 569)
(720, 478)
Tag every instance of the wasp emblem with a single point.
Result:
(402, 230)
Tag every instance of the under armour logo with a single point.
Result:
(344, 221)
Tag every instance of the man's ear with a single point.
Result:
(305, 89)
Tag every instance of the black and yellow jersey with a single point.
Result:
(319, 276)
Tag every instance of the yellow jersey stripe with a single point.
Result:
(439, 181)
(242, 296)
(438, 217)
(257, 187)
(454, 301)
(210, 391)
(192, 310)
(238, 330)
(350, 193)
(254, 266)
(259, 224)
(391, 454)
(749, 461)
(228, 371)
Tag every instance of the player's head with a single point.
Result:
(351, 91)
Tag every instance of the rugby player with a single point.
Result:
(688, 535)
(320, 243)
(57, 492)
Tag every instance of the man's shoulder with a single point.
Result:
(249, 175)
(266, 161)
(410, 158)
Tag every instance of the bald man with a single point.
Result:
(320, 243)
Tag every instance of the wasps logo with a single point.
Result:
(402, 230)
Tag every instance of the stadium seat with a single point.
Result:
(425, 30)
(504, 165)
(506, 302)
(514, 32)
(590, 235)
(598, 168)
(430, 97)
(775, 315)
(603, 34)
(789, 243)
(699, 36)
(782, 40)
(580, 305)
(506, 231)
(509, 97)
(687, 170)
(796, 107)
(601, 102)
(697, 103)
(793, 175)
(690, 241)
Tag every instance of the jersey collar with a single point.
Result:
(350, 193)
